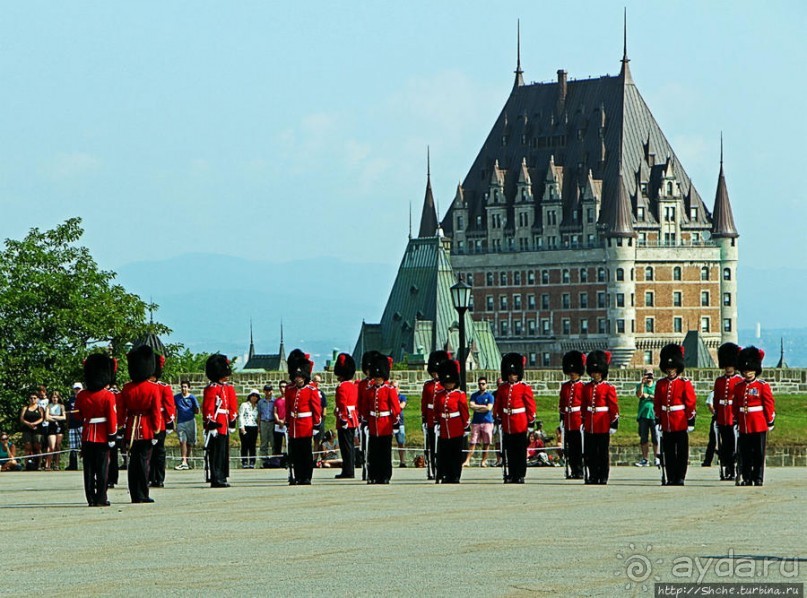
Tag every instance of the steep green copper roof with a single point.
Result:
(696, 355)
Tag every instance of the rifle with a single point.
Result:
(436, 456)
(662, 461)
(565, 449)
(292, 479)
(719, 441)
(505, 464)
(427, 453)
(738, 461)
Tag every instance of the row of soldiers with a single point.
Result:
(138, 417)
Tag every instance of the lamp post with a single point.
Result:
(460, 299)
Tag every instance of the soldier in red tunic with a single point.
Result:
(514, 407)
(380, 410)
(96, 407)
(303, 415)
(754, 415)
(723, 400)
(140, 410)
(430, 389)
(219, 411)
(674, 404)
(364, 385)
(600, 409)
(168, 412)
(346, 412)
(451, 411)
(571, 421)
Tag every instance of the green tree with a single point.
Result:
(180, 360)
(56, 306)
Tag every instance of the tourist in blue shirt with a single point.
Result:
(187, 408)
(481, 403)
(266, 421)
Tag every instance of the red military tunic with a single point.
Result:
(674, 403)
(303, 410)
(754, 407)
(140, 410)
(430, 389)
(381, 409)
(514, 406)
(168, 409)
(599, 406)
(99, 414)
(723, 398)
(219, 405)
(364, 385)
(451, 412)
(347, 399)
(569, 405)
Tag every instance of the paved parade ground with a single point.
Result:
(341, 537)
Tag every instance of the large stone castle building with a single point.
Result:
(579, 228)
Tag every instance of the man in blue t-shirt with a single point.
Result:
(187, 408)
(398, 429)
(481, 404)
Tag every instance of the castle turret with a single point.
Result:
(725, 236)
(428, 217)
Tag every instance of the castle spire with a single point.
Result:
(722, 216)
(282, 351)
(428, 217)
(519, 81)
(251, 342)
(625, 71)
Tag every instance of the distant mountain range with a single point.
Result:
(208, 301)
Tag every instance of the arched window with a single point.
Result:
(705, 273)
(677, 273)
(620, 274)
(648, 273)
(726, 273)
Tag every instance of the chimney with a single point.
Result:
(561, 86)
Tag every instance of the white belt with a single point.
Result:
(673, 407)
(729, 402)
(380, 413)
(351, 408)
(572, 409)
(752, 409)
(218, 411)
(450, 415)
(301, 414)
(598, 409)
(429, 406)
(101, 420)
(514, 411)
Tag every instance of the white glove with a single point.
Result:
(690, 429)
(611, 431)
(171, 431)
(111, 444)
(153, 441)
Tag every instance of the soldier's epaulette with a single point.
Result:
(684, 378)
(761, 381)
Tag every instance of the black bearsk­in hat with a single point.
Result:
(574, 362)
(750, 359)
(140, 362)
(99, 371)
(367, 360)
(381, 366)
(217, 367)
(672, 356)
(598, 362)
(449, 371)
(345, 366)
(435, 359)
(727, 355)
(299, 365)
(512, 363)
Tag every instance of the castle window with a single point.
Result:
(530, 301)
(544, 276)
(583, 275)
(693, 213)
(517, 302)
(503, 279)
(726, 273)
(533, 359)
(669, 187)
(647, 357)
(460, 247)
(459, 223)
(726, 299)
(649, 325)
(669, 213)
(620, 274)
(705, 273)
(479, 221)
(583, 326)
(469, 279)
(489, 303)
(517, 327)
(620, 326)
(545, 327)
(704, 298)
(567, 326)
(705, 324)
(590, 240)
(643, 187)
(489, 279)
(648, 299)
(546, 360)
(678, 324)
(601, 325)
(566, 301)
(583, 300)
(590, 215)
(531, 327)
(565, 277)
(517, 278)
(648, 273)
(531, 277)
(727, 325)
(503, 302)
(677, 298)
(504, 327)
(600, 299)
(677, 273)
(620, 299)
(600, 274)
(545, 301)
(642, 240)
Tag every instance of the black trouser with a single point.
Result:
(277, 443)
(432, 458)
(726, 450)
(302, 459)
(157, 470)
(752, 456)
(574, 452)
(379, 459)
(597, 457)
(449, 459)
(218, 458)
(138, 471)
(515, 452)
(346, 441)
(675, 446)
(248, 442)
(96, 462)
(113, 465)
(710, 447)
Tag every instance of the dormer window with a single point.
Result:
(693, 213)
(640, 213)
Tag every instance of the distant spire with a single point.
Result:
(410, 218)
(620, 216)
(782, 363)
(625, 71)
(251, 342)
(722, 216)
(428, 217)
(519, 73)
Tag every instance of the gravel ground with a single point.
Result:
(262, 537)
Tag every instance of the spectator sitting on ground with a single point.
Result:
(330, 447)
(8, 461)
(535, 456)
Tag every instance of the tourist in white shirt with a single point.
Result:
(248, 428)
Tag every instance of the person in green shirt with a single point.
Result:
(646, 416)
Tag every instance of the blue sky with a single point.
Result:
(299, 131)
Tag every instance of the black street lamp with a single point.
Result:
(461, 299)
